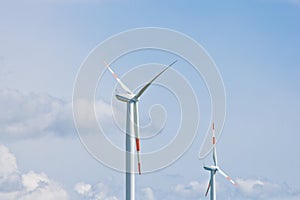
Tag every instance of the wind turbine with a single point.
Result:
(214, 169)
(132, 128)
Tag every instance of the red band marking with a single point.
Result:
(207, 189)
(213, 126)
(214, 140)
(137, 142)
(115, 75)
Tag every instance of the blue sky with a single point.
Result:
(255, 45)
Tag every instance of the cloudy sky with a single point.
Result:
(254, 43)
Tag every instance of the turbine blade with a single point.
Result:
(137, 137)
(214, 145)
(207, 188)
(226, 176)
(149, 83)
(118, 79)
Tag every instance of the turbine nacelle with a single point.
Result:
(211, 168)
(126, 97)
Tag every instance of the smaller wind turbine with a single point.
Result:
(215, 168)
(132, 128)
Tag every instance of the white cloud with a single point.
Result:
(248, 189)
(28, 186)
(263, 189)
(86, 112)
(99, 191)
(38, 115)
(39, 186)
(147, 194)
(83, 188)
(25, 115)
(8, 162)
(9, 176)
(190, 190)
(32, 180)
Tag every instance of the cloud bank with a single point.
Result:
(28, 186)
(248, 189)
(191, 190)
(260, 189)
(32, 115)
(147, 194)
(97, 192)
(38, 115)
(15, 185)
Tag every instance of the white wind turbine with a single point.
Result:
(215, 168)
(132, 129)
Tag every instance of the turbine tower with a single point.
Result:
(214, 169)
(132, 129)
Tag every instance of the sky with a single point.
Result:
(255, 45)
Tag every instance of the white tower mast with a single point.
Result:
(132, 129)
(214, 168)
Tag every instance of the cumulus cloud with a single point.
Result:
(25, 115)
(8, 162)
(83, 188)
(9, 177)
(32, 115)
(248, 189)
(147, 194)
(37, 115)
(99, 191)
(39, 186)
(191, 190)
(264, 189)
(86, 112)
(28, 186)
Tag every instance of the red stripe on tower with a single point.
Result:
(137, 142)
